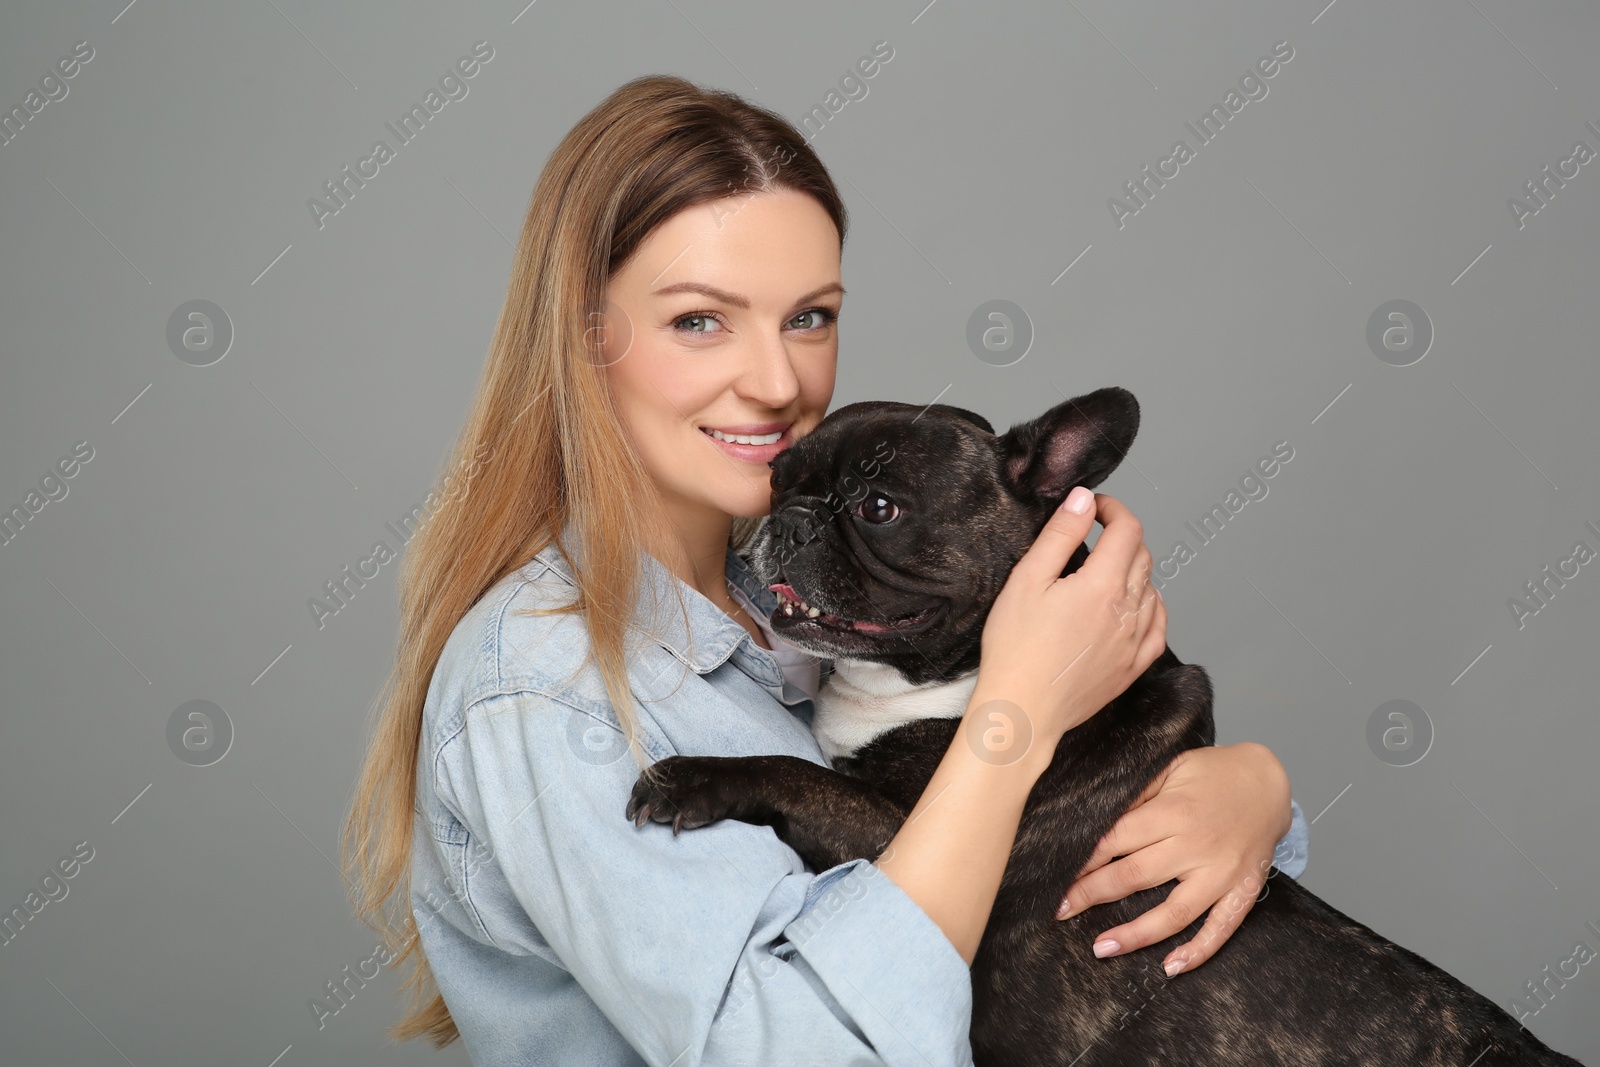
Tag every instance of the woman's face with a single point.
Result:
(722, 325)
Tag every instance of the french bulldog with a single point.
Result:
(892, 531)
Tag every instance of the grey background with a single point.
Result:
(978, 167)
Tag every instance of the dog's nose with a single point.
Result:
(797, 523)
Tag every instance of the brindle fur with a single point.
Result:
(1297, 983)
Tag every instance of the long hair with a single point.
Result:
(543, 446)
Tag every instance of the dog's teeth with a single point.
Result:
(788, 608)
(812, 612)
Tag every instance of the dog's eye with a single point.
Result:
(875, 507)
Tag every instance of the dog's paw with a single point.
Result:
(682, 790)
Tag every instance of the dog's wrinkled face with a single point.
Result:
(893, 526)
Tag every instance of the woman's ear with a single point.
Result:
(1077, 442)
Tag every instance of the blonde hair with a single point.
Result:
(542, 446)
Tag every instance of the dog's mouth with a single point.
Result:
(794, 612)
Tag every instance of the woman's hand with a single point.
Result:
(1057, 649)
(1211, 820)
(1054, 651)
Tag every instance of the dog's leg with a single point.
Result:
(825, 816)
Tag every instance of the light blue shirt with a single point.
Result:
(560, 933)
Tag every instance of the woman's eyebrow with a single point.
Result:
(741, 302)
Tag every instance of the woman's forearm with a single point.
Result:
(951, 852)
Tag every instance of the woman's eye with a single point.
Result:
(875, 507)
(813, 319)
(704, 322)
(697, 322)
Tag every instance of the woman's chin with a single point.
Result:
(750, 509)
(753, 503)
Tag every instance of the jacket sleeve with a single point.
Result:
(1292, 852)
(714, 946)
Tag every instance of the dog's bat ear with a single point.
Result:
(971, 416)
(1077, 442)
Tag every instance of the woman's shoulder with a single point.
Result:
(511, 641)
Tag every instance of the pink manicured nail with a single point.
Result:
(1078, 500)
(1064, 910)
(1106, 947)
(1174, 967)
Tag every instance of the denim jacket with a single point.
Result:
(560, 933)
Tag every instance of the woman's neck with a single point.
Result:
(699, 560)
(698, 556)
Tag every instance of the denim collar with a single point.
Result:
(711, 636)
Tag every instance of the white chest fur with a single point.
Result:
(862, 700)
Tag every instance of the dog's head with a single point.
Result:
(893, 527)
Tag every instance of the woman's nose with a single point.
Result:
(770, 378)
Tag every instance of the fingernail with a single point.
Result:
(1105, 948)
(1064, 910)
(1173, 968)
(1078, 500)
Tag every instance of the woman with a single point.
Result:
(669, 327)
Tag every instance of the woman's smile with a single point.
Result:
(751, 443)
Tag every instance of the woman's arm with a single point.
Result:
(711, 947)
(1053, 654)
(1292, 852)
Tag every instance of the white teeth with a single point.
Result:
(797, 605)
(791, 607)
(746, 439)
